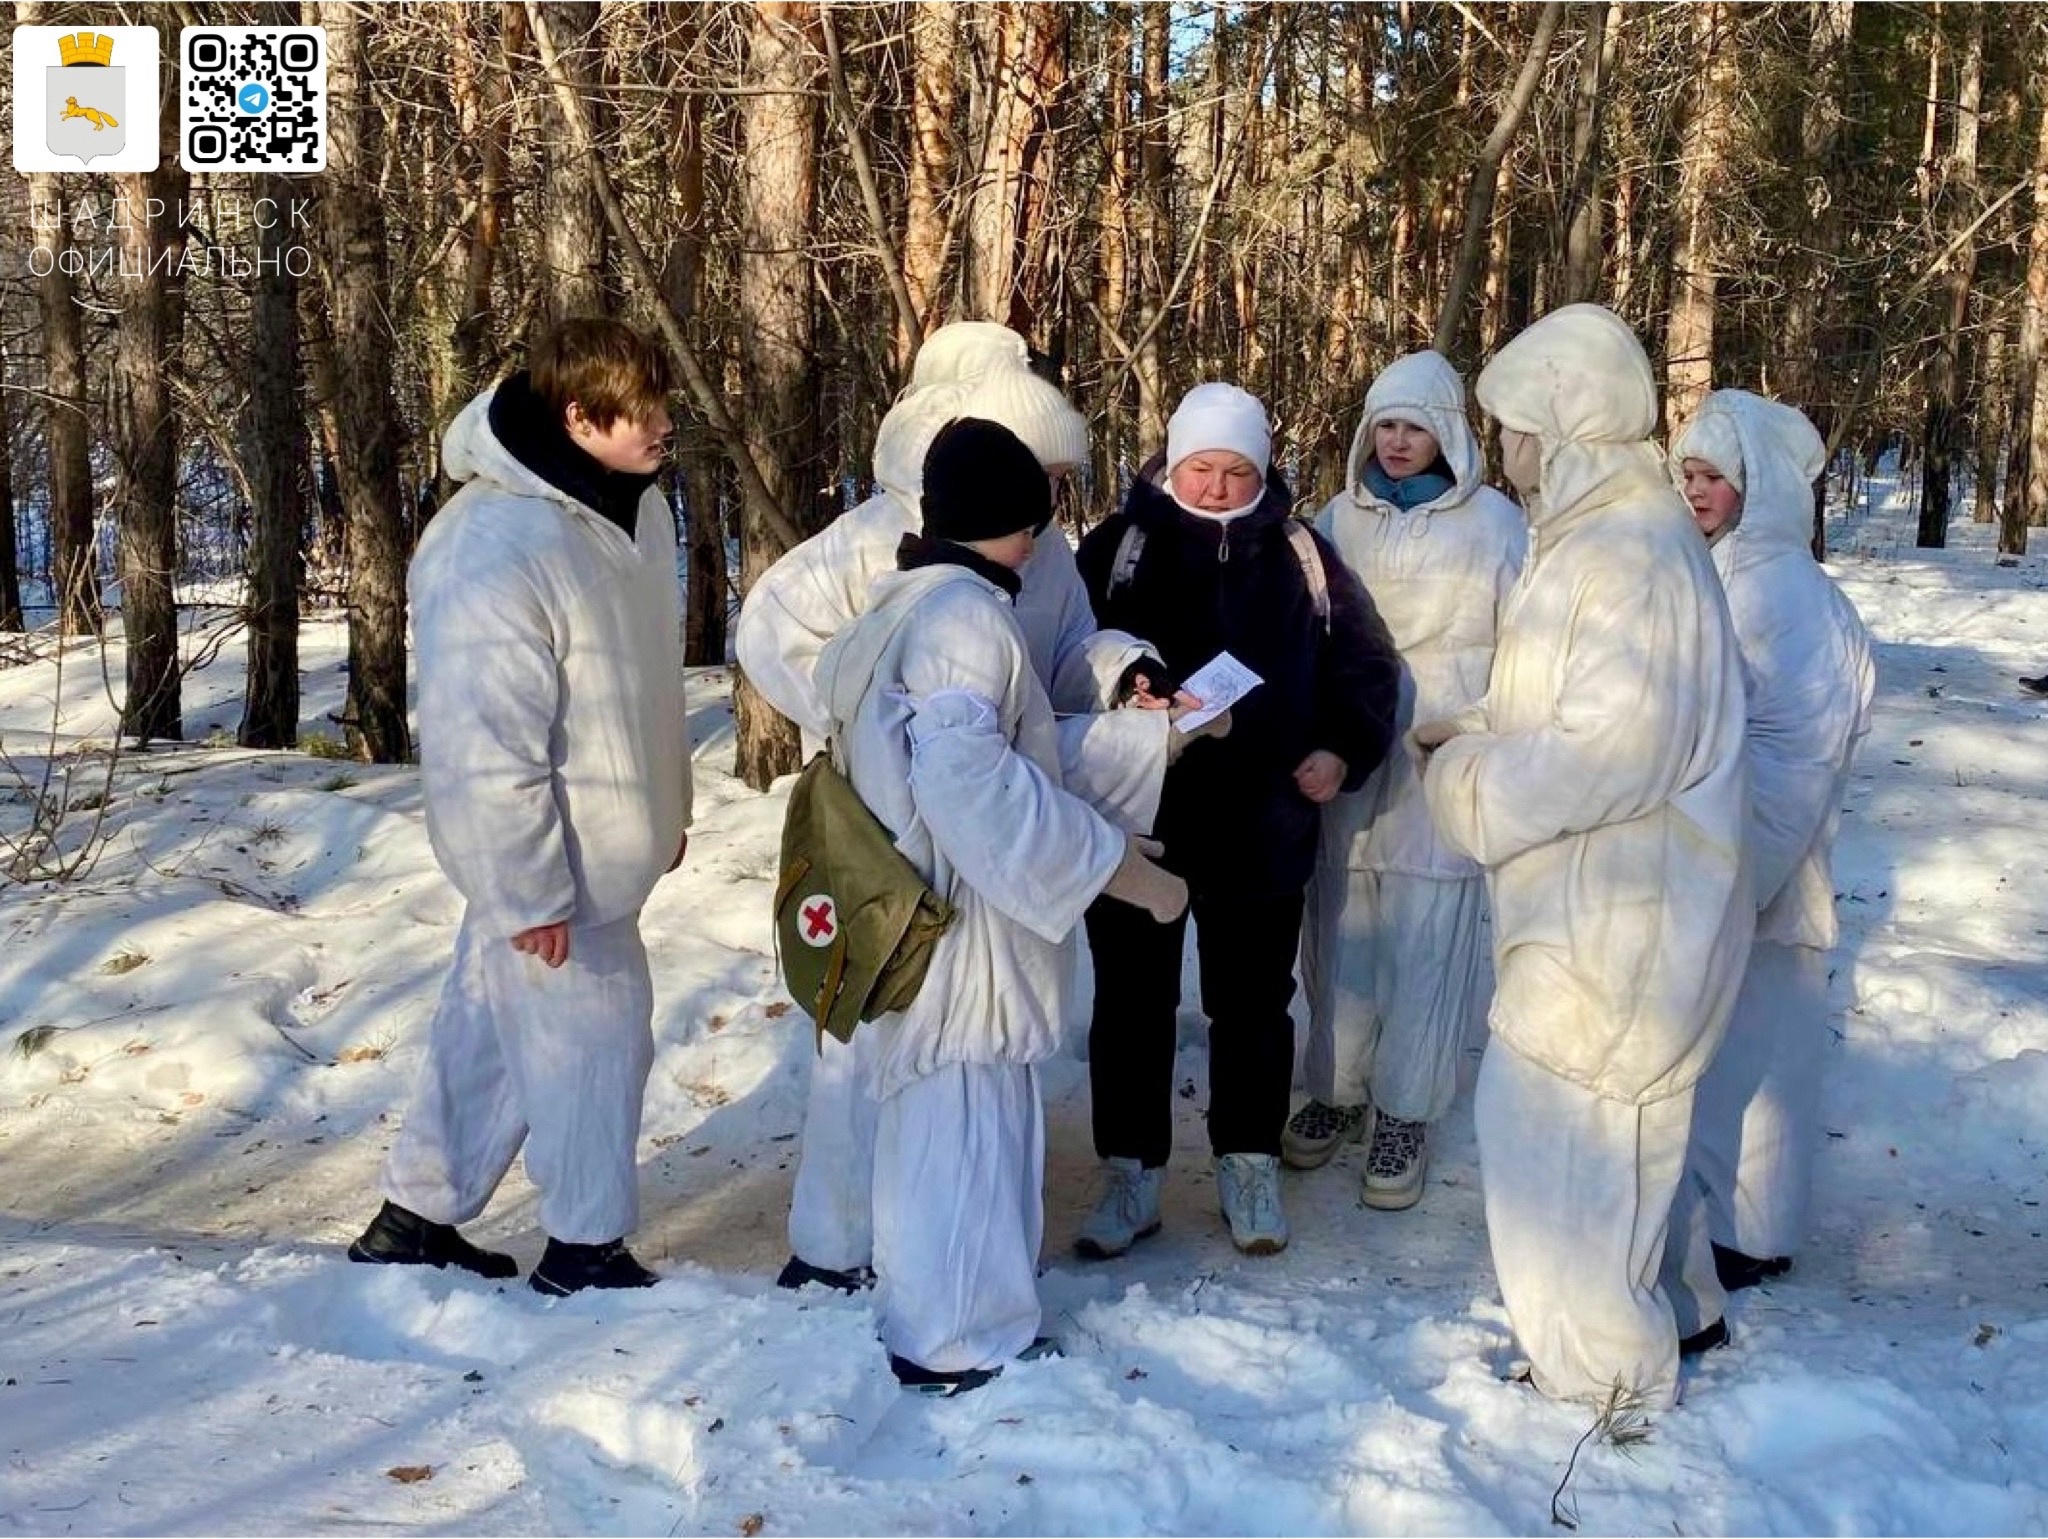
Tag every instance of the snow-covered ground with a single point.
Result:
(207, 1035)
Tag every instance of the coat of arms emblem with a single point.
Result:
(87, 100)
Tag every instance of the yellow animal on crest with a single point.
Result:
(92, 115)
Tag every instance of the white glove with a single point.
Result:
(1143, 885)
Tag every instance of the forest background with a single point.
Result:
(213, 422)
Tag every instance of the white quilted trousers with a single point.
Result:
(552, 1059)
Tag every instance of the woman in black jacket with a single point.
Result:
(1206, 557)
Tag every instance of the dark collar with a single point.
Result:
(537, 438)
(916, 551)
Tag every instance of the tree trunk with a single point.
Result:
(1579, 219)
(1025, 45)
(74, 558)
(363, 345)
(145, 440)
(1811, 352)
(705, 602)
(477, 203)
(11, 618)
(1989, 419)
(575, 223)
(1703, 172)
(1956, 194)
(778, 189)
(1154, 212)
(2026, 471)
(934, 89)
(1117, 218)
(1454, 322)
(274, 446)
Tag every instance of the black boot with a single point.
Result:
(400, 1237)
(929, 1381)
(2035, 686)
(1738, 1271)
(1704, 1340)
(565, 1269)
(796, 1272)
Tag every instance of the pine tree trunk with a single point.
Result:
(778, 189)
(697, 456)
(1956, 195)
(1154, 224)
(11, 618)
(1809, 364)
(362, 345)
(1579, 218)
(1689, 334)
(1455, 321)
(2026, 471)
(274, 435)
(934, 88)
(1118, 221)
(1025, 45)
(459, 301)
(1989, 420)
(145, 439)
(576, 233)
(74, 559)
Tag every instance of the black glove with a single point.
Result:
(1158, 682)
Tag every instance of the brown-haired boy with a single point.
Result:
(557, 779)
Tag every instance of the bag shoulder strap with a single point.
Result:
(1125, 566)
(1310, 555)
(835, 737)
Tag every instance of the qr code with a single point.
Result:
(253, 99)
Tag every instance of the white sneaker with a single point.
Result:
(1127, 1213)
(1248, 1186)
(1315, 1133)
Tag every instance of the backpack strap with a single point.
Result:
(1128, 551)
(1310, 555)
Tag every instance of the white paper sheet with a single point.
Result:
(1219, 684)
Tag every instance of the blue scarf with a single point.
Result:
(1409, 492)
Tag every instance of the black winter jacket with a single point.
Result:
(1231, 813)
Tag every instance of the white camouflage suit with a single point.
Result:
(1115, 760)
(1807, 669)
(1393, 946)
(950, 739)
(556, 768)
(1601, 784)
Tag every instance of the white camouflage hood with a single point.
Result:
(1421, 388)
(1580, 382)
(905, 437)
(470, 451)
(1781, 455)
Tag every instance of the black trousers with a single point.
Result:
(1245, 947)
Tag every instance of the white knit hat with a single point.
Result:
(1711, 437)
(1219, 416)
(1034, 410)
(966, 350)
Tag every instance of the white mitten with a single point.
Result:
(1142, 884)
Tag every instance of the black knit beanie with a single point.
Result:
(982, 483)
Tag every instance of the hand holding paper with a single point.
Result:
(1218, 684)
